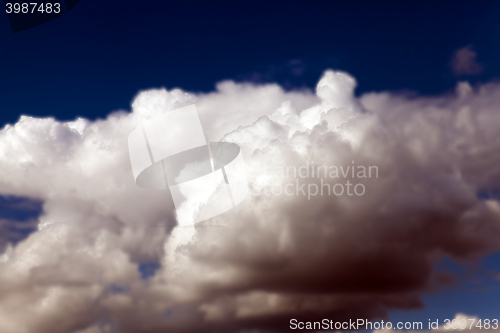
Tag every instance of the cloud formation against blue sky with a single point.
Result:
(274, 257)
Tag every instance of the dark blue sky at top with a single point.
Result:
(95, 59)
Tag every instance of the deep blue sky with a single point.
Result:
(95, 58)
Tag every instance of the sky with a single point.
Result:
(411, 88)
(98, 57)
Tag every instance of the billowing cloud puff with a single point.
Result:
(276, 256)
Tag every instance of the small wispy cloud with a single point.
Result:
(464, 62)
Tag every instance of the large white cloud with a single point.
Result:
(274, 256)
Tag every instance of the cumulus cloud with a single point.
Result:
(274, 257)
(464, 62)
